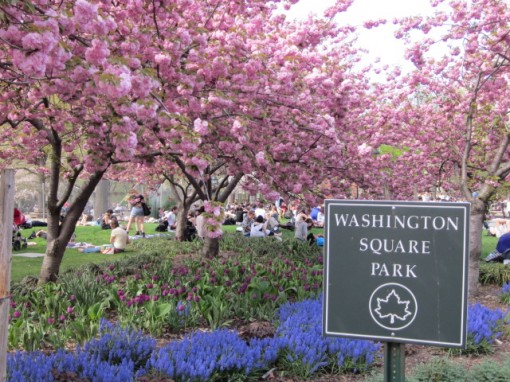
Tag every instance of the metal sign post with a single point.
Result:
(394, 362)
(396, 272)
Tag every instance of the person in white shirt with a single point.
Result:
(258, 229)
(200, 223)
(118, 238)
(320, 217)
(171, 218)
(260, 211)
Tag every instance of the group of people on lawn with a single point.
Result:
(260, 221)
(119, 237)
(255, 220)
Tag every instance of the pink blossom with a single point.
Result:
(260, 158)
(200, 127)
(97, 53)
(84, 12)
(31, 64)
(215, 234)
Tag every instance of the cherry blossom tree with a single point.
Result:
(69, 93)
(450, 116)
(263, 97)
(96, 84)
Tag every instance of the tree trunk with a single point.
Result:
(211, 247)
(101, 199)
(52, 259)
(59, 233)
(475, 244)
(181, 222)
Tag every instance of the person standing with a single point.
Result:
(137, 216)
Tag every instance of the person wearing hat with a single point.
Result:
(502, 251)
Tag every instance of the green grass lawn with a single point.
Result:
(25, 266)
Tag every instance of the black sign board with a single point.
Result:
(396, 271)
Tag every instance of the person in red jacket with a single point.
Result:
(19, 218)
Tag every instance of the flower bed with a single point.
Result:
(202, 302)
(124, 354)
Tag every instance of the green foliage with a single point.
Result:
(73, 259)
(85, 288)
(439, 370)
(446, 370)
(165, 247)
(490, 371)
(483, 347)
(152, 293)
(395, 152)
(215, 309)
(505, 298)
(494, 273)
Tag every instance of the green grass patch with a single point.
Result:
(23, 266)
(28, 266)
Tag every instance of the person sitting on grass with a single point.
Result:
(302, 227)
(248, 221)
(106, 219)
(119, 237)
(499, 227)
(502, 251)
(319, 222)
(259, 228)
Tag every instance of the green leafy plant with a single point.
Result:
(490, 371)
(215, 310)
(156, 316)
(494, 273)
(85, 288)
(439, 370)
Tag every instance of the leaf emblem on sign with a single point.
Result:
(393, 307)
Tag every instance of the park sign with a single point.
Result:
(396, 271)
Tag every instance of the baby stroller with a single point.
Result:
(18, 241)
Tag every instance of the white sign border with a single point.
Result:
(400, 204)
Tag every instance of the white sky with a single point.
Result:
(379, 41)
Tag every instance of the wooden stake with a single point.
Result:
(6, 220)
